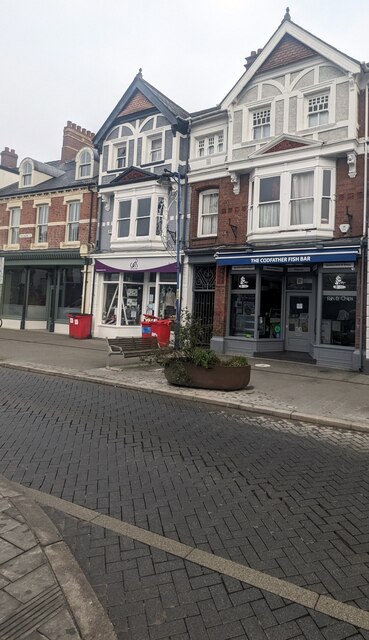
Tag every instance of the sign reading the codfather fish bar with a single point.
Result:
(292, 257)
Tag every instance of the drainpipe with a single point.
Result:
(364, 239)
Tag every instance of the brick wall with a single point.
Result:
(288, 50)
(232, 211)
(57, 214)
(349, 194)
(221, 302)
(138, 103)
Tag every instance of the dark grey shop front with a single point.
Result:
(293, 301)
(41, 288)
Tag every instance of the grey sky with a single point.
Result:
(73, 59)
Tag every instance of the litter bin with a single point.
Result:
(80, 325)
(161, 328)
(153, 326)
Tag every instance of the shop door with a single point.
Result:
(300, 322)
(50, 301)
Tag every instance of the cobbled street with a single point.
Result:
(285, 498)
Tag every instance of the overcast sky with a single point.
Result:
(74, 59)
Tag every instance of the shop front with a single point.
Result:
(39, 291)
(129, 288)
(301, 301)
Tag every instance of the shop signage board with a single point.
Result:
(293, 257)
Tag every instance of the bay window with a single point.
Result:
(124, 219)
(293, 200)
(139, 217)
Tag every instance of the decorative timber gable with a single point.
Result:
(285, 145)
(134, 174)
(287, 51)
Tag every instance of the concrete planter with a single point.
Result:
(220, 377)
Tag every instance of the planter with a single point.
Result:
(220, 377)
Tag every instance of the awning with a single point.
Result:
(111, 265)
(290, 256)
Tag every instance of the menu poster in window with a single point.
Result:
(132, 293)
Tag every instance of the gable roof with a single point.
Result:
(285, 142)
(152, 98)
(307, 43)
(132, 174)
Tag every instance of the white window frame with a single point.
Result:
(121, 160)
(156, 154)
(157, 218)
(321, 98)
(85, 160)
(209, 145)
(42, 209)
(73, 221)
(201, 215)
(285, 200)
(260, 113)
(26, 174)
(14, 228)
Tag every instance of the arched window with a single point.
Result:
(85, 163)
(26, 174)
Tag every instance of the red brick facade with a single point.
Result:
(138, 103)
(57, 214)
(288, 50)
(232, 216)
(349, 196)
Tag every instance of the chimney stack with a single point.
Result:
(8, 158)
(74, 139)
(251, 58)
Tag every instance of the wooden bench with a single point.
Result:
(133, 347)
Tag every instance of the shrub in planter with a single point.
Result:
(191, 365)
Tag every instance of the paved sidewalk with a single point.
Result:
(286, 390)
(43, 593)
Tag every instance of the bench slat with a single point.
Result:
(133, 346)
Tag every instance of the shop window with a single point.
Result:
(300, 283)
(339, 308)
(70, 292)
(13, 292)
(242, 321)
(111, 290)
(39, 279)
(269, 202)
(269, 320)
(167, 295)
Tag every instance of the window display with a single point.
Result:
(269, 322)
(243, 305)
(339, 309)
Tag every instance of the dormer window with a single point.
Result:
(85, 164)
(26, 174)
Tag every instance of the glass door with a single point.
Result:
(300, 322)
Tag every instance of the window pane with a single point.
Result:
(131, 304)
(302, 211)
(325, 210)
(339, 309)
(109, 314)
(269, 320)
(269, 215)
(123, 228)
(269, 189)
(143, 226)
(242, 315)
(125, 209)
(13, 292)
(143, 208)
(74, 211)
(15, 217)
(302, 185)
(326, 183)
(70, 292)
(243, 281)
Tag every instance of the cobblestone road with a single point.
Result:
(151, 595)
(281, 497)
